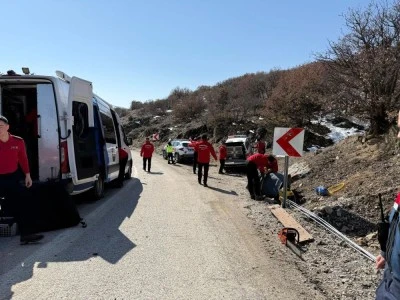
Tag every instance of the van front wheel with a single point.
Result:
(98, 189)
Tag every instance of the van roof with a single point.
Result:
(236, 138)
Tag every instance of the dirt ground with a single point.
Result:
(366, 169)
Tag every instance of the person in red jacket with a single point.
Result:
(147, 152)
(222, 157)
(13, 155)
(260, 146)
(204, 150)
(123, 159)
(256, 162)
(272, 164)
(193, 143)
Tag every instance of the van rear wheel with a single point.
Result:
(98, 189)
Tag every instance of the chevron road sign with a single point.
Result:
(288, 141)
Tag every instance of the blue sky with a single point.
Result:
(142, 50)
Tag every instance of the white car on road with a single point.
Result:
(182, 151)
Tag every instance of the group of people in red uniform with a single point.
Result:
(258, 163)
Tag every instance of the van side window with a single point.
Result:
(81, 119)
(108, 127)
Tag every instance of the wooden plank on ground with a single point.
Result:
(288, 221)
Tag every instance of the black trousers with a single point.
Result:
(200, 172)
(148, 161)
(122, 165)
(221, 165)
(194, 161)
(253, 180)
(170, 157)
(15, 203)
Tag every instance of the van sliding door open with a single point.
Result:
(81, 140)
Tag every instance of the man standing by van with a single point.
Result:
(12, 155)
(204, 150)
(222, 157)
(260, 146)
(123, 159)
(147, 152)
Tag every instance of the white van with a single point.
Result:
(72, 135)
(238, 148)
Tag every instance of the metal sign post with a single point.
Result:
(285, 180)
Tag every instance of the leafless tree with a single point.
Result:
(365, 63)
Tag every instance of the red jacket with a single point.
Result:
(122, 153)
(204, 149)
(193, 144)
(222, 152)
(260, 160)
(147, 150)
(273, 165)
(12, 154)
(260, 147)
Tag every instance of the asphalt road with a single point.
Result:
(162, 236)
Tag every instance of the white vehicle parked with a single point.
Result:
(74, 136)
(238, 148)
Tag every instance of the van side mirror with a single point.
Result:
(129, 141)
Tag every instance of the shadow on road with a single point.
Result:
(223, 191)
(155, 173)
(101, 238)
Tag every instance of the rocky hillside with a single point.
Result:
(139, 125)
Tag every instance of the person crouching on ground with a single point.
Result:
(12, 155)
(272, 164)
(255, 163)
(147, 152)
(204, 150)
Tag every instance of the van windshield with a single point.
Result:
(234, 144)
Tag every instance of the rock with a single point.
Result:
(361, 241)
(344, 229)
(371, 236)
(326, 271)
(366, 285)
(328, 210)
